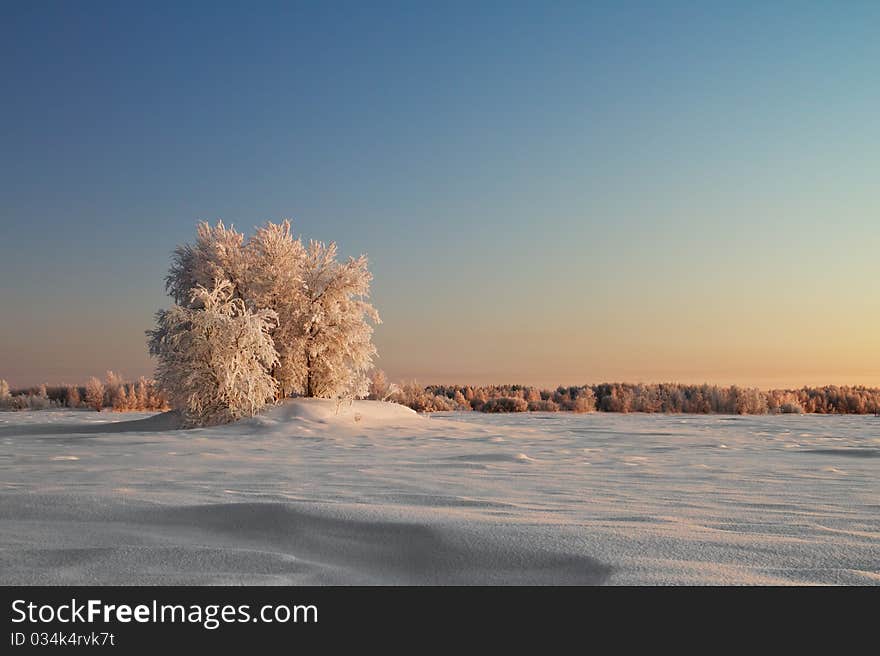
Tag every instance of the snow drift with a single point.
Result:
(371, 493)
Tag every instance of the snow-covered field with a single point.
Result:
(376, 494)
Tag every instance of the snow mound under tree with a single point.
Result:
(331, 411)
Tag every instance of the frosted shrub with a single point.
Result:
(436, 403)
(585, 401)
(506, 404)
(26, 402)
(38, 402)
(214, 358)
(543, 406)
(421, 399)
(412, 396)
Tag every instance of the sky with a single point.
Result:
(549, 192)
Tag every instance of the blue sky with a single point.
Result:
(548, 192)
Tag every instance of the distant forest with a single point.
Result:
(627, 397)
(113, 393)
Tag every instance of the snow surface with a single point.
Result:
(315, 492)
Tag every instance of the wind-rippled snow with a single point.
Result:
(313, 493)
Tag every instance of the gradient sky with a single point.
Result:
(548, 192)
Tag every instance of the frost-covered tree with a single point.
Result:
(114, 391)
(322, 333)
(461, 403)
(274, 281)
(4, 389)
(141, 396)
(336, 320)
(585, 402)
(95, 394)
(157, 399)
(378, 385)
(214, 356)
(73, 399)
(121, 401)
(218, 254)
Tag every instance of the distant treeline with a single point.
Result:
(626, 397)
(112, 393)
(144, 395)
